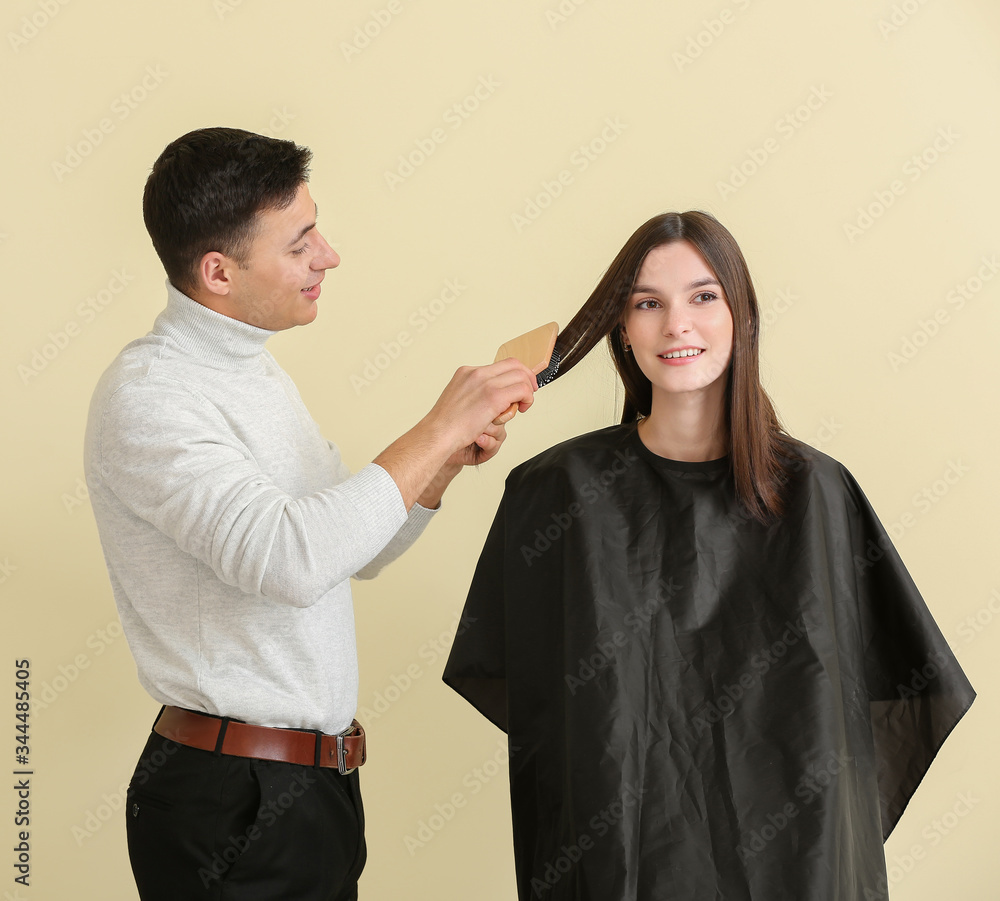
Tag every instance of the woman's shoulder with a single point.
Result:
(809, 464)
(801, 456)
(599, 448)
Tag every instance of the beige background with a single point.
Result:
(687, 105)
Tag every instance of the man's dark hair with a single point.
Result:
(206, 190)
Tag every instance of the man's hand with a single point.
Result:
(484, 448)
(459, 430)
(478, 395)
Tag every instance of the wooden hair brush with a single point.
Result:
(537, 350)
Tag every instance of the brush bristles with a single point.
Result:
(551, 371)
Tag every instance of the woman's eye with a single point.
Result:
(706, 297)
(641, 305)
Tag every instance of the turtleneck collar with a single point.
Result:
(210, 336)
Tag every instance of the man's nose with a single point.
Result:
(328, 258)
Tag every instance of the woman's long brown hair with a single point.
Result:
(759, 448)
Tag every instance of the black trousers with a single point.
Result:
(210, 826)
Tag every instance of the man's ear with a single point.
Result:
(215, 273)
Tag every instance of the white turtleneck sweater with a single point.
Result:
(231, 527)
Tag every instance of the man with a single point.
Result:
(231, 529)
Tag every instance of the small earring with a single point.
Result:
(628, 346)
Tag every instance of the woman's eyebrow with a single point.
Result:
(697, 283)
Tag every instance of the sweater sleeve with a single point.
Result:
(412, 529)
(171, 458)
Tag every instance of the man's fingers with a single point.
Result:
(507, 415)
(513, 389)
(497, 432)
(492, 436)
(512, 364)
(480, 398)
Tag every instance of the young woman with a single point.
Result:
(717, 678)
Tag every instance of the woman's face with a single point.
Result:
(678, 322)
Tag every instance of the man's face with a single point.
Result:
(288, 259)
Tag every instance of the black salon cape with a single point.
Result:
(700, 707)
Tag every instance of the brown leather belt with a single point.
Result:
(346, 751)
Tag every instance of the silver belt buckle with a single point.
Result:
(342, 757)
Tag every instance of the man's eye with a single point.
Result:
(301, 250)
